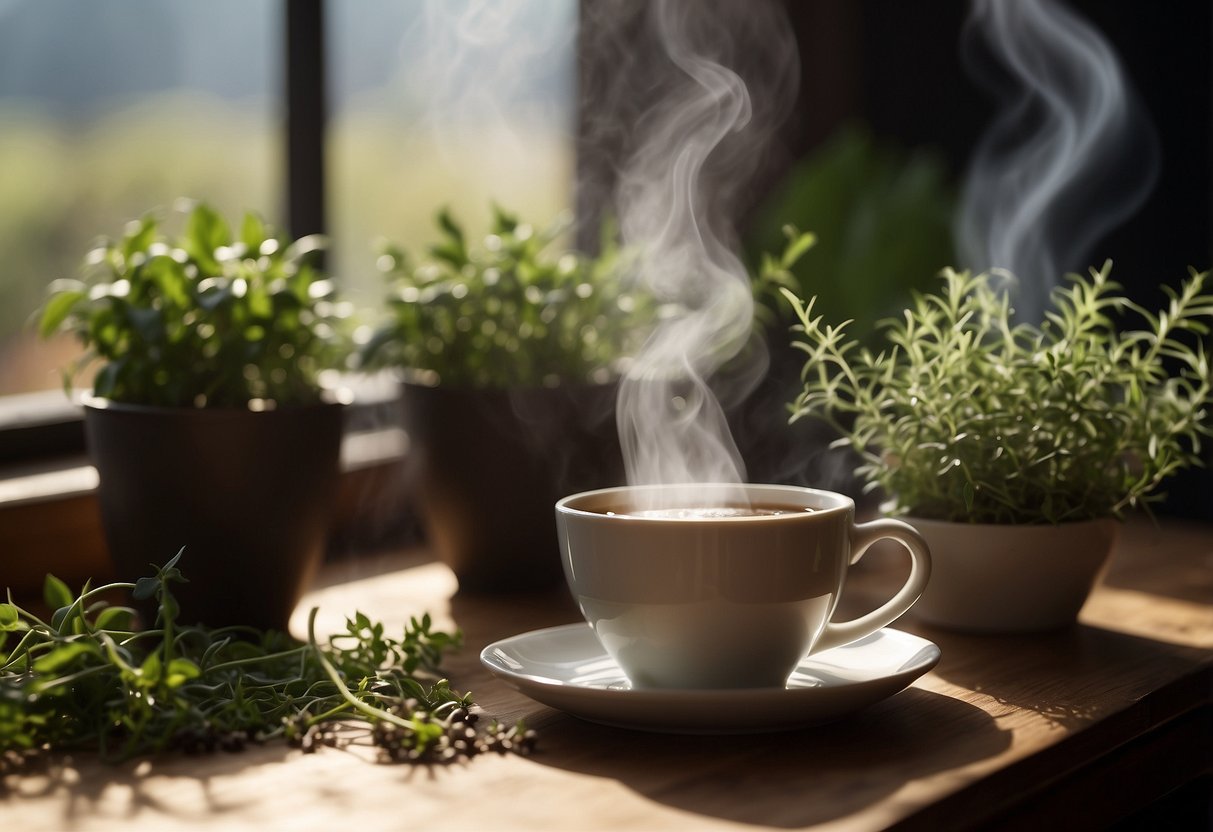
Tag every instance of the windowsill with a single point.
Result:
(61, 478)
(34, 426)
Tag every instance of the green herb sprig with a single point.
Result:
(86, 679)
(206, 318)
(967, 416)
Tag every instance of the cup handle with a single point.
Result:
(864, 535)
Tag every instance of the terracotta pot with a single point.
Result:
(248, 494)
(1011, 579)
(488, 466)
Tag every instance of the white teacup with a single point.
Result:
(707, 596)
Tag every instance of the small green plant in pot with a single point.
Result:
(509, 349)
(208, 422)
(992, 434)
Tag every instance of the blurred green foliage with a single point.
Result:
(882, 220)
(204, 318)
(507, 310)
(515, 309)
(67, 181)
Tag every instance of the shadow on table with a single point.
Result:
(86, 790)
(487, 618)
(790, 779)
(1072, 677)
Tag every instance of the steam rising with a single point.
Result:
(697, 145)
(1069, 155)
(485, 66)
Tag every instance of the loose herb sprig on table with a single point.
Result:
(87, 680)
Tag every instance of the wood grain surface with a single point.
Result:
(1077, 727)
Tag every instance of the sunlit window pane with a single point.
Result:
(451, 103)
(110, 109)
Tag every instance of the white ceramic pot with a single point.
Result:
(1011, 579)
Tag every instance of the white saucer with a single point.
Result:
(567, 668)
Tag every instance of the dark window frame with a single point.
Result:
(306, 96)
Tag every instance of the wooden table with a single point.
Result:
(1078, 727)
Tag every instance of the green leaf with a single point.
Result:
(252, 232)
(448, 225)
(58, 617)
(140, 238)
(148, 323)
(181, 671)
(58, 659)
(798, 244)
(145, 588)
(259, 304)
(454, 248)
(169, 277)
(57, 309)
(206, 231)
(451, 253)
(150, 670)
(106, 380)
(504, 222)
(55, 592)
(169, 573)
(115, 618)
(215, 297)
(10, 619)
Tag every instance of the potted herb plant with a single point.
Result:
(208, 422)
(1015, 448)
(509, 350)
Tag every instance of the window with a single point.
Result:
(109, 110)
(444, 104)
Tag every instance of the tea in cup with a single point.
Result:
(729, 589)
